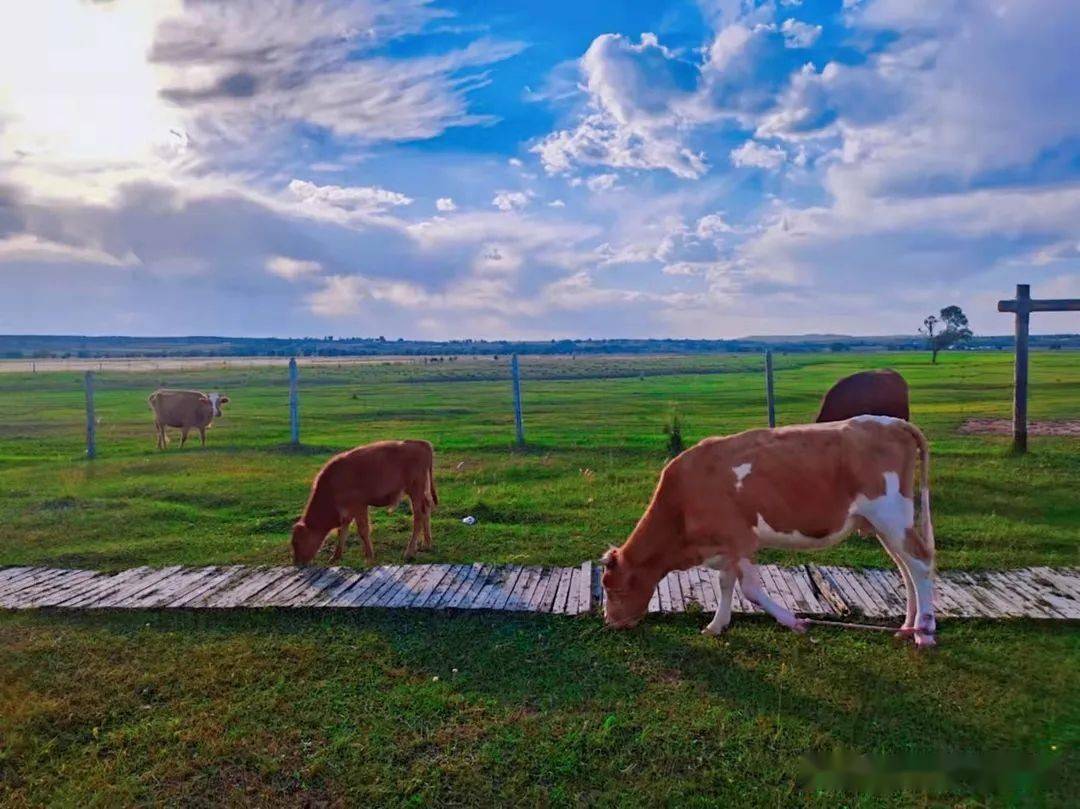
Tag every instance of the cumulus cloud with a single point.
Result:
(340, 295)
(445, 204)
(602, 182)
(799, 34)
(346, 200)
(510, 200)
(753, 154)
(292, 269)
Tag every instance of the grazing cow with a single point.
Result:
(867, 393)
(377, 475)
(186, 409)
(794, 488)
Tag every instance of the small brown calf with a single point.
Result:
(378, 474)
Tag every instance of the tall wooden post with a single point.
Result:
(294, 403)
(91, 449)
(1023, 306)
(519, 426)
(769, 403)
(1020, 375)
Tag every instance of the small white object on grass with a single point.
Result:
(470, 520)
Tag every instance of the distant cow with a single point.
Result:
(378, 474)
(794, 488)
(867, 393)
(185, 409)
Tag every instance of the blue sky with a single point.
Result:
(535, 169)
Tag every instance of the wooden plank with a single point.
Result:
(523, 591)
(875, 606)
(566, 574)
(31, 580)
(306, 587)
(502, 597)
(966, 606)
(537, 597)
(12, 572)
(12, 578)
(678, 600)
(408, 587)
(339, 585)
(890, 588)
(57, 590)
(1062, 582)
(436, 573)
(1027, 599)
(469, 595)
(102, 586)
(787, 595)
(493, 580)
(988, 603)
(1045, 598)
(270, 595)
(386, 593)
(664, 587)
(240, 589)
(827, 590)
(858, 601)
(551, 591)
(455, 599)
(978, 588)
(570, 608)
(687, 586)
(814, 606)
(654, 599)
(31, 592)
(480, 588)
(118, 599)
(584, 600)
(358, 586)
(451, 581)
(1014, 603)
(774, 587)
(185, 581)
(219, 579)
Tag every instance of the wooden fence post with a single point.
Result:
(515, 373)
(769, 387)
(91, 449)
(294, 403)
(1020, 375)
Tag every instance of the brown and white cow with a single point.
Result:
(186, 409)
(867, 393)
(378, 474)
(794, 488)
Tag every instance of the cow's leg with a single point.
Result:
(751, 586)
(363, 528)
(909, 586)
(417, 526)
(427, 522)
(915, 558)
(159, 433)
(343, 534)
(722, 618)
(202, 435)
(183, 436)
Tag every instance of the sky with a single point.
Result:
(440, 169)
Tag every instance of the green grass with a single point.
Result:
(235, 501)
(310, 708)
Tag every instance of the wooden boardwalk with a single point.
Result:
(811, 590)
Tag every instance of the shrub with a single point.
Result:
(673, 430)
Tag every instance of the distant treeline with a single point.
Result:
(67, 346)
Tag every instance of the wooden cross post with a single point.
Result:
(519, 426)
(91, 421)
(1023, 306)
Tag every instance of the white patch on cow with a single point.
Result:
(215, 399)
(892, 514)
(886, 420)
(769, 537)
(741, 471)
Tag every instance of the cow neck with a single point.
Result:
(647, 549)
(321, 513)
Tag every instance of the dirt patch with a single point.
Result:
(1069, 428)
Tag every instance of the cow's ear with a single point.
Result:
(610, 559)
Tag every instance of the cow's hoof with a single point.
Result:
(924, 641)
(715, 631)
(800, 626)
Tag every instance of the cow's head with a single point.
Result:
(627, 592)
(305, 542)
(217, 400)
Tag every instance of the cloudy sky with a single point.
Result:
(458, 168)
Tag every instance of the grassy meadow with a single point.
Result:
(311, 708)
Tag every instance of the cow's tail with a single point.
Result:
(431, 479)
(927, 525)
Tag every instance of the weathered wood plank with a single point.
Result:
(118, 598)
(240, 590)
(536, 599)
(339, 585)
(396, 588)
(1044, 598)
(566, 574)
(827, 590)
(13, 576)
(981, 589)
(220, 578)
(501, 596)
(409, 586)
(450, 579)
(184, 582)
(967, 607)
(33, 579)
(584, 598)
(427, 585)
(62, 587)
(464, 598)
(102, 586)
(154, 591)
(455, 597)
(875, 606)
(268, 596)
(363, 586)
(31, 594)
(523, 590)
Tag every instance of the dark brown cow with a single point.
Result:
(378, 474)
(867, 393)
(795, 488)
(186, 409)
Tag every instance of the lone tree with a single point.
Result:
(948, 330)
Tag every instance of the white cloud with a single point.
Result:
(799, 34)
(292, 269)
(346, 199)
(757, 155)
(340, 295)
(556, 203)
(602, 182)
(510, 200)
(445, 204)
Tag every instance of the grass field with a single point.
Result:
(289, 709)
